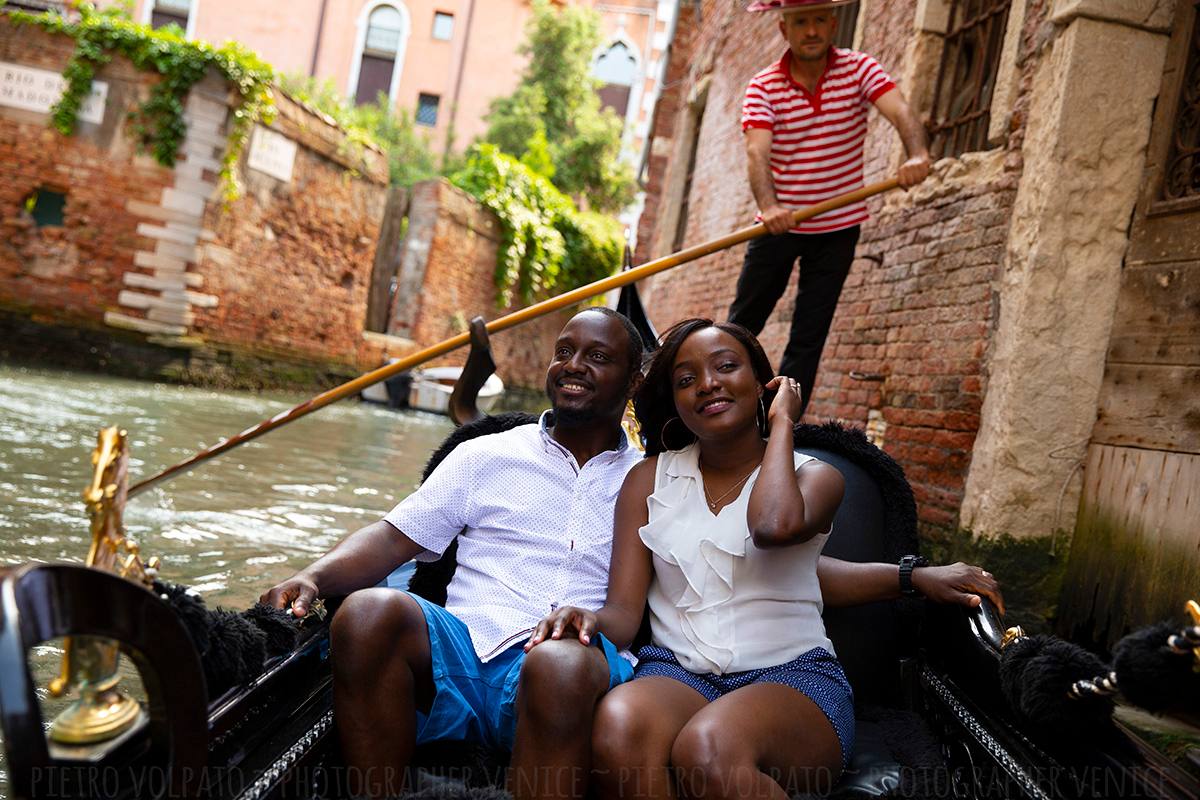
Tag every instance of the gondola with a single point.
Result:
(935, 716)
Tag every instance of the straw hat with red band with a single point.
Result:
(795, 5)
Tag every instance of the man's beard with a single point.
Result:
(574, 417)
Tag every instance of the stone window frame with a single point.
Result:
(360, 45)
(193, 13)
(924, 59)
(1185, 30)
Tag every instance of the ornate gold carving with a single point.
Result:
(1011, 635)
(90, 663)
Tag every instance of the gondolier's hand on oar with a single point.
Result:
(564, 621)
(296, 593)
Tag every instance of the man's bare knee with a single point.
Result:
(562, 675)
(369, 617)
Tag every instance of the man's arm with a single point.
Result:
(897, 111)
(775, 217)
(362, 559)
(848, 583)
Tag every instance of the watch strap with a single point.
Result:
(907, 565)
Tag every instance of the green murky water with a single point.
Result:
(231, 528)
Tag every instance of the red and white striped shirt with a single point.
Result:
(817, 142)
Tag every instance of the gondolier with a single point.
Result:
(805, 121)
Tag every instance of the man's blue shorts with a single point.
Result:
(475, 701)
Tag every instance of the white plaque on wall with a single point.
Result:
(32, 89)
(272, 153)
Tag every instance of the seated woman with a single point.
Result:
(720, 529)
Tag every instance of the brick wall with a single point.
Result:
(910, 341)
(151, 252)
(73, 272)
(446, 278)
(671, 102)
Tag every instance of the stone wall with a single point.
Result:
(446, 277)
(152, 254)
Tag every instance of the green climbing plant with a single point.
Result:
(159, 121)
(546, 245)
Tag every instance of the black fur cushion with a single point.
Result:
(900, 507)
(431, 578)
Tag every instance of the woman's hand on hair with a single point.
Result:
(564, 621)
(787, 404)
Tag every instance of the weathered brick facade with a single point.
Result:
(151, 253)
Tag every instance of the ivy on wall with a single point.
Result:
(546, 246)
(159, 121)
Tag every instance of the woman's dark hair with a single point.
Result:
(654, 402)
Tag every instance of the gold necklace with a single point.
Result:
(712, 504)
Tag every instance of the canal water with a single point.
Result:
(231, 528)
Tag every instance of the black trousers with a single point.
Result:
(825, 260)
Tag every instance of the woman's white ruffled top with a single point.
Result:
(718, 602)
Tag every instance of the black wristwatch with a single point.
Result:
(907, 565)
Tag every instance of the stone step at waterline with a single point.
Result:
(171, 316)
(126, 322)
(173, 285)
(132, 299)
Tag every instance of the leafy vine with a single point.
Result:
(159, 122)
(546, 244)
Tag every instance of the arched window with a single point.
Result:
(383, 34)
(617, 70)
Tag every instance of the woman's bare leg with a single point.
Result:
(635, 726)
(752, 740)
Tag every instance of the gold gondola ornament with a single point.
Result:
(90, 664)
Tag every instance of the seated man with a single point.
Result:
(533, 512)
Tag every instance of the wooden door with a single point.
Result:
(1135, 555)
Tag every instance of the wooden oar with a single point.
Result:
(504, 323)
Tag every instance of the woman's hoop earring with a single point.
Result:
(762, 416)
(662, 434)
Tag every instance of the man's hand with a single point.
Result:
(913, 171)
(958, 583)
(777, 219)
(297, 592)
(562, 621)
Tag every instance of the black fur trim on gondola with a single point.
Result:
(233, 646)
(1036, 674)
(900, 507)
(430, 578)
(1151, 674)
